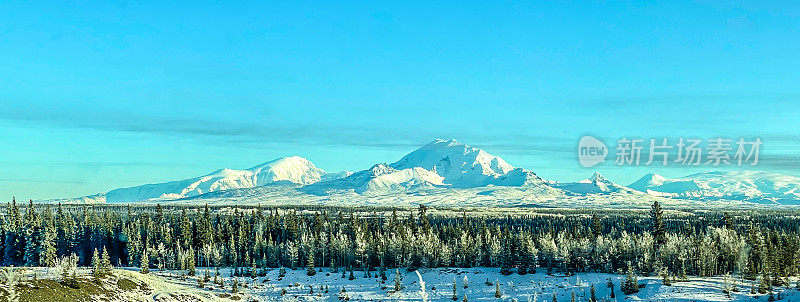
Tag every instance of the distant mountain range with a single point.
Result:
(728, 185)
(448, 167)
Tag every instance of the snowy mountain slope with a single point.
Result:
(491, 196)
(519, 177)
(597, 184)
(738, 185)
(750, 184)
(379, 178)
(464, 166)
(655, 184)
(293, 169)
(447, 172)
(335, 175)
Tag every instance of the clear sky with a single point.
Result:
(96, 95)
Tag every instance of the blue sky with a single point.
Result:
(99, 95)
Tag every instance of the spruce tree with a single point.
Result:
(185, 234)
(204, 229)
(32, 239)
(423, 218)
(497, 293)
(597, 228)
(191, 269)
(48, 255)
(144, 262)
(764, 283)
(505, 258)
(631, 284)
(97, 272)
(105, 263)
(665, 277)
(727, 221)
(657, 226)
(310, 266)
(13, 243)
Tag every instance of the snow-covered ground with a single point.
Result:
(481, 285)
(439, 287)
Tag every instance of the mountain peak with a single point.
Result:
(292, 169)
(443, 143)
(654, 177)
(648, 180)
(380, 169)
(593, 185)
(283, 161)
(461, 165)
(597, 177)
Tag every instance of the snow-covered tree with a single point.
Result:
(144, 262)
(422, 293)
(11, 278)
(310, 265)
(97, 272)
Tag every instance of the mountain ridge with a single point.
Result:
(451, 165)
(291, 169)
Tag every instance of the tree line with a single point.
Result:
(761, 246)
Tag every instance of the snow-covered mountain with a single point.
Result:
(730, 185)
(463, 166)
(335, 175)
(597, 184)
(655, 184)
(380, 178)
(294, 169)
(441, 163)
(446, 171)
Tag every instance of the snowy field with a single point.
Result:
(438, 285)
(477, 284)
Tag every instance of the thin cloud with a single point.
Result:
(224, 131)
(33, 180)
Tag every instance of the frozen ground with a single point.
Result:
(439, 287)
(166, 286)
